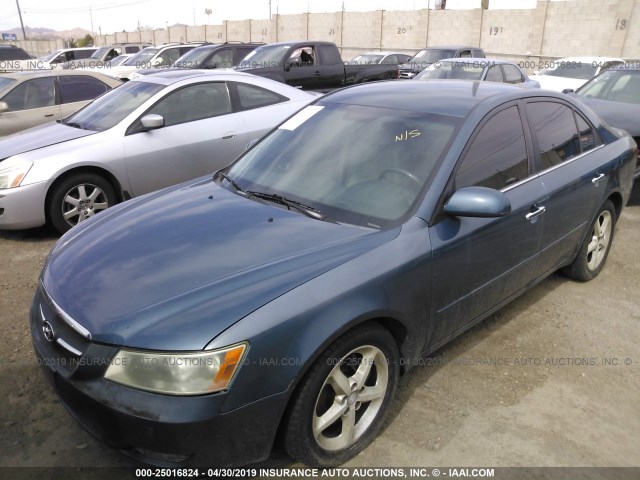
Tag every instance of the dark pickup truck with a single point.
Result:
(311, 66)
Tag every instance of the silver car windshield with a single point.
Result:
(112, 107)
(355, 164)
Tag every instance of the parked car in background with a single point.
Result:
(284, 297)
(215, 55)
(10, 53)
(52, 60)
(430, 55)
(147, 134)
(477, 69)
(151, 57)
(311, 66)
(382, 57)
(615, 95)
(102, 57)
(573, 72)
(32, 98)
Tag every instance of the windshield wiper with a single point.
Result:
(233, 183)
(71, 124)
(287, 202)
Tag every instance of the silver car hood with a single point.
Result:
(38, 137)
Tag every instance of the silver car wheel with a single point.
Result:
(600, 238)
(82, 202)
(348, 403)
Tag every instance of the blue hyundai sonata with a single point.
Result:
(284, 296)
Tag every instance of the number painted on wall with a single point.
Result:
(621, 24)
(220, 35)
(264, 31)
(401, 30)
(332, 31)
(495, 30)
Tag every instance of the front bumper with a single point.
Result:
(156, 429)
(23, 207)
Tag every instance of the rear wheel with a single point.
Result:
(595, 247)
(78, 198)
(340, 405)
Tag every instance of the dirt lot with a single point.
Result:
(551, 380)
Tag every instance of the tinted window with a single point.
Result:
(195, 102)
(221, 59)
(131, 49)
(587, 138)
(555, 130)
(168, 56)
(498, 155)
(80, 54)
(242, 52)
(250, 96)
(465, 54)
(390, 60)
(80, 88)
(512, 74)
(36, 93)
(330, 55)
(13, 54)
(494, 74)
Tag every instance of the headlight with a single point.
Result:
(176, 373)
(12, 172)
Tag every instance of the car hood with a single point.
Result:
(39, 137)
(617, 114)
(172, 270)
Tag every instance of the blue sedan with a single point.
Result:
(287, 294)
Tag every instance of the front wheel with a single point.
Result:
(595, 247)
(341, 403)
(78, 198)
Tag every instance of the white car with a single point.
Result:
(572, 72)
(160, 56)
(145, 135)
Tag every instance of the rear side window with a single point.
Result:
(80, 88)
(329, 55)
(497, 156)
(512, 74)
(494, 74)
(588, 140)
(80, 54)
(132, 49)
(555, 129)
(250, 96)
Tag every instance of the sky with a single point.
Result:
(108, 16)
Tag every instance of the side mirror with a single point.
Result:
(478, 202)
(287, 67)
(4, 107)
(151, 122)
(568, 90)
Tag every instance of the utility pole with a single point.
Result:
(269, 9)
(93, 33)
(21, 24)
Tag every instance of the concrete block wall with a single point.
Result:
(551, 30)
(38, 48)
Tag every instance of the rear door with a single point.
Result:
(30, 103)
(201, 135)
(78, 90)
(480, 262)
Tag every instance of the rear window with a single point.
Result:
(13, 54)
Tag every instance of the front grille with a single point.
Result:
(64, 342)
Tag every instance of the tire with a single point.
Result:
(366, 358)
(595, 247)
(78, 198)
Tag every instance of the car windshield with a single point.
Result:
(367, 59)
(112, 107)
(193, 58)
(570, 69)
(143, 56)
(267, 56)
(119, 60)
(455, 70)
(614, 85)
(5, 82)
(432, 55)
(355, 164)
(98, 54)
(51, 56)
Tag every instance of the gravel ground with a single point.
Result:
(550, 380)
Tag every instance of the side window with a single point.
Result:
(36, 93)
(192, 103)
(494, 74)
(587, 137)
(555, 130)
(250, 96)
(390, 60)
(242, 52)
(465, 54)
(302, 57)
(512, 74)
(113, 53)
(78, 88)
(497, 156)
(81, 54)
(135, 49)
(169, 56)
(221, 59)
(330, 55)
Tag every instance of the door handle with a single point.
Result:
(317, 74)
(48, 115)
(535, 213)
(228, 136)
(595, 180)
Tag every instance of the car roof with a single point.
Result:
(587, 59)
(451, 47)
(44, 73)
(489, 61)
(171, 76)
(446, 97)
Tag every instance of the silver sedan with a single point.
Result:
(149, 133)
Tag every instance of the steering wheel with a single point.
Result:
(407, 174)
